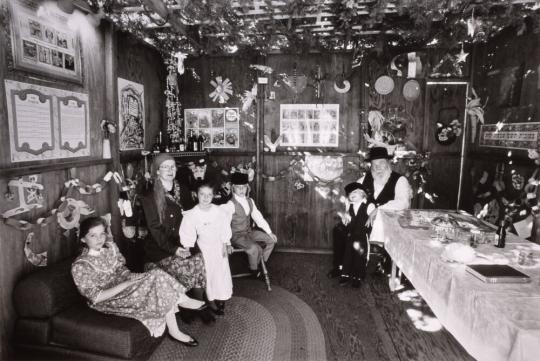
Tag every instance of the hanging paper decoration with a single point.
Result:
(475, 111)
(412, 61)
(29, 194)
(462, 56)
(448, 66)
(248, 98)
(271, 146)
(299, 185)
(69, 214)
(180, 57)
(39, 259)
(262, 68)
(295, 83)
(341, 85)
(317, 79)
(222, 90)
(376, 120)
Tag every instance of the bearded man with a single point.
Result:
(385, 188)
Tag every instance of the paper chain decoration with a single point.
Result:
(64, 212)
(223, 88)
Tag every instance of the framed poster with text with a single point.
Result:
(309, 125)
(510, 136)
(42, 42)
(220, 127)
(131, 114)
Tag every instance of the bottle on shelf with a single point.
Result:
(157, 145)
(500, 236)
(182, 144)
(200, 142)
(162, 145)
(194, 142)
(189, 145)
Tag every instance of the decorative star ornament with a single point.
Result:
(462, 56)
(223, 88)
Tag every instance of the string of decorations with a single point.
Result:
(67, 210)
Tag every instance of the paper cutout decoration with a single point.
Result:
(411, 61)
(222, 90)
(384, 85)
(272, 145)
(29, 194)
(475, 111)
(37, 259)
(69, 214)
(249, 98)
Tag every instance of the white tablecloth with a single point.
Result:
(491, 321)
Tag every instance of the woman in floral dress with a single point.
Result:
(152, 297)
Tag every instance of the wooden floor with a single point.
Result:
(369, 323)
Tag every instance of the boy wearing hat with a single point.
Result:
(242, 210)
(356, 243)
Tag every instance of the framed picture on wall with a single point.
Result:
(42, 41)
(505, 85)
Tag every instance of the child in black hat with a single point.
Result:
(356, 245)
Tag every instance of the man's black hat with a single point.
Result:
(378, 153)
(239, 178)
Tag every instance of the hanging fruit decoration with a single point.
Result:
(222, 90)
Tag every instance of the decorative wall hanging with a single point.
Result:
(37, 259)
(448, 66)
(324, 168)
(222, 90)
(448, 127)
(309, 125)
(69, 213)
(411, 90)
(507, 85)
(295, 83)
(514, 136)
(44, 44)
(248, 98)
(317, 77)
(384, 85)
(28, 195)
(341, 85)
(131, 114)
(46, 123)
(475, 110)
(411, 62)
(271, 146)
(220, 127)
(262, 68)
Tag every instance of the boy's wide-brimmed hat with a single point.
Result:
(239, 178)
(378, 153)
(351, 187)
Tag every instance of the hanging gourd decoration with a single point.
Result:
(222, 90)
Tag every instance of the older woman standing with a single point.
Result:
(162, 207)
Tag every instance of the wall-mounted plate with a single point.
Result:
(411, 90)
(384, 85)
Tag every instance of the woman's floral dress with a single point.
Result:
(148, 301)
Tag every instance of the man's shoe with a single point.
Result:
(343, 280)
(333, 273)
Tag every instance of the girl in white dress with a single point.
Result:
(210, 227)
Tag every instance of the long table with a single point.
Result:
(491, 321)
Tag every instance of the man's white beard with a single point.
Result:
(382, 176)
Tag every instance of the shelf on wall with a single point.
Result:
(50, 167)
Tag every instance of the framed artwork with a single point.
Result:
(220, 127)
(309, 125)
(505, 85)
(46, 123)
(44, 44)
(510, 136)
(131, 114)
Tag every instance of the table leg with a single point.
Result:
(395, 277)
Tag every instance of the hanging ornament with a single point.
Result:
(69, 214)
(39, 259)
(299, 185)
(318, 78)
(448, 66)
(248, 98)
(341, 85)
(180, 57)
(475, 111)
(462, 56)
(271, 146)
(262, 68)
(295, 83)
(222, 90)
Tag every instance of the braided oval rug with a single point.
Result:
(257, 326)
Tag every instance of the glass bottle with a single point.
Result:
(200, 142)
(181, 145)
(500, 236)
(157, 145)
(195, 142)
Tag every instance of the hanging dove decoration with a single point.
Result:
(222, 91)
(39, 259)
(248, 98)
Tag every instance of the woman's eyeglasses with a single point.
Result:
(167, 167)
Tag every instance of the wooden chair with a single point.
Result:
(263, 267)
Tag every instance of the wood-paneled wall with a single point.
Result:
(303, 218)
(135, 61)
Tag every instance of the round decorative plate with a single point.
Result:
(384, 85)
(411, 90)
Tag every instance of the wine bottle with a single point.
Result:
(195, 143)
(182, 145)
(500, 236)
(200, 142)
(157, 145)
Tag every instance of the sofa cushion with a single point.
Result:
(81, 327)
(32, 331)
(46, 292)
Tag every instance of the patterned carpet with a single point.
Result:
(266, 326)
(310, 317)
